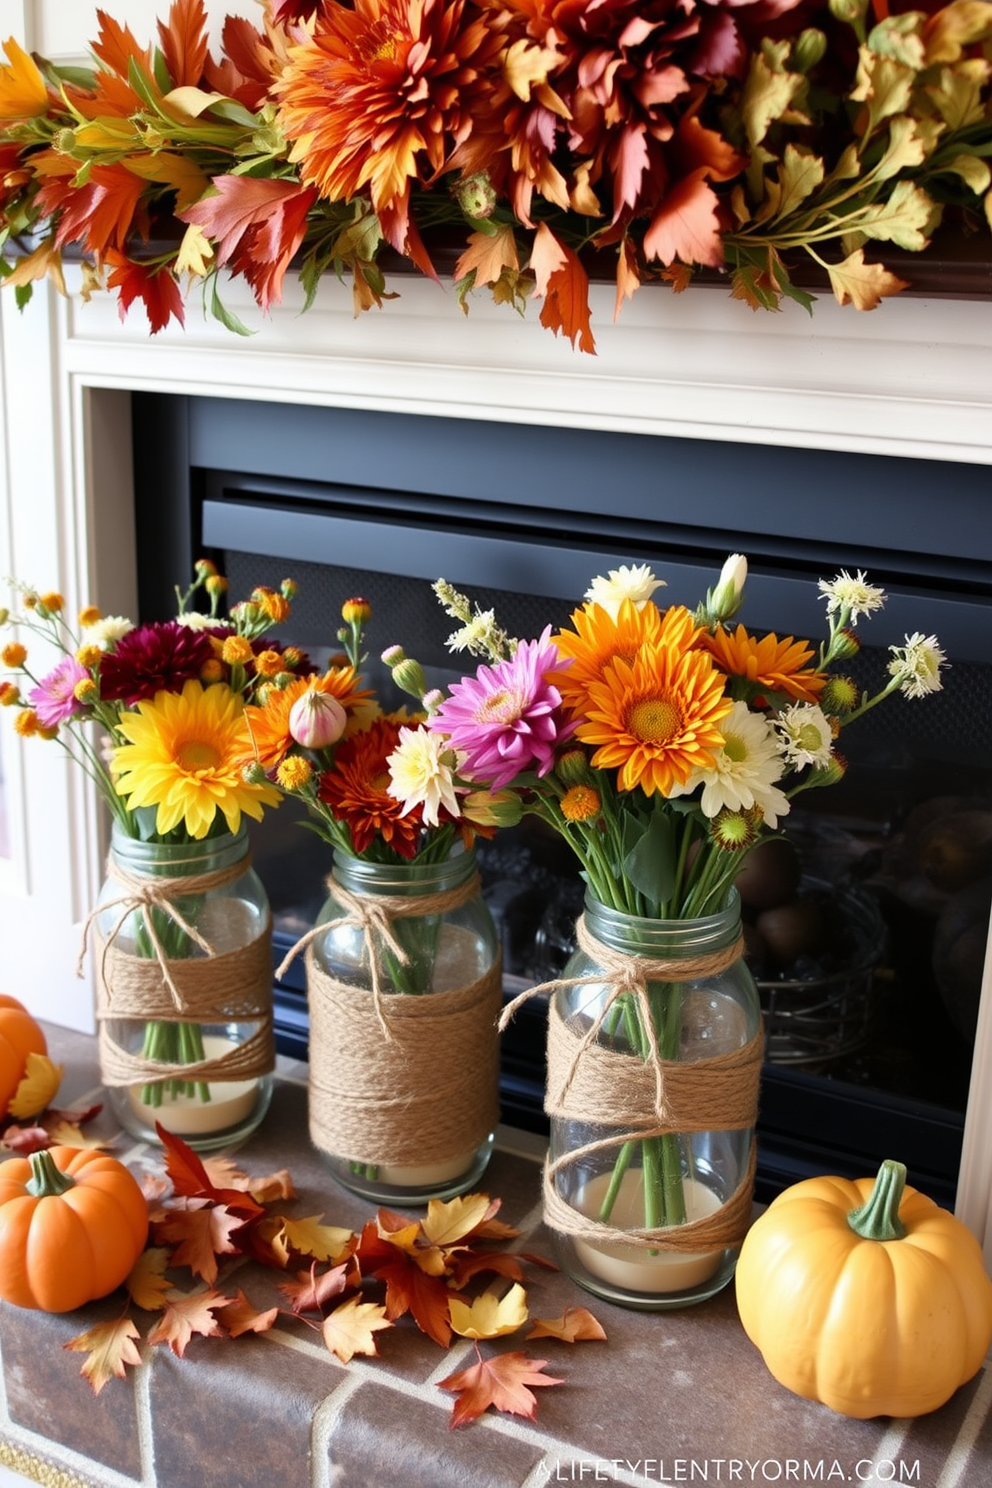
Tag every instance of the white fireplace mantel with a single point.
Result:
(912, 379)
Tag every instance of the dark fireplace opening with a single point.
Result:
(870, 1032)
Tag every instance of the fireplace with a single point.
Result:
(870, 1045)
(776, 407)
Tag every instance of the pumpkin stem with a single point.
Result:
(47, 1181)
(878, 1217)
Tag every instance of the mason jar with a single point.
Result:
(654, 1052)
(404, 986)
(184, 989)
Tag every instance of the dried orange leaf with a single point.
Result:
(503, 1383)
(201, 1235)
(109, 1348)
(184, 1316)
(241, 1317)
(575, 1324)
(351, 1328)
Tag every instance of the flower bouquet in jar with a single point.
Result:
(662, 744)
(402, 965)
(154, 714)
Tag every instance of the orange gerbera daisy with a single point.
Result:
(599, 640)
(357, 791)
(768, 663)
(656, 719)
(269, 725)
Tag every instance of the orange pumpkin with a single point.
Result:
(73, 1221)
(20, 1036)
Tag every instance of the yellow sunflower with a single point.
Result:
(185, 754)
(600, 639)
(778, 666)
(268, 726)
(656, 719)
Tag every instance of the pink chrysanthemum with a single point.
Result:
(153, 658)
(507, 718)
(55, 698)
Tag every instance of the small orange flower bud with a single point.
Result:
(274, 605)
(51, 602)
(356, 611)
(89, 616)
(26, 723)
(294, 773)
(204, 569)
(268, 663)
(216, 584)
(236, 650)
(10, 693)
(289, 588)
(212, 671)
(89, 656)
(580, 803)
(86, 691)
(14, 654)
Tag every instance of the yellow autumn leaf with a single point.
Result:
(973, 171)
(862, 285)
(799, 175)
(167, 168)
(959, 94)
(45, 260)
(525, 66)
(768, 92)
(196, 254)
(351, 1328)
(903, 219)
(448, 1221)
(191, 102)
(987, 203)
(147, 1282)
(23, 94)
(906, 147)
(323, 1242)
(885, 85)
(109, 1348)
(490, 1316)
(37, 1089)
(70, 1134)
(956, 26)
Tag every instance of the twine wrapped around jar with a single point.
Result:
(643, 1098)
(210, 988)
(401, 1080)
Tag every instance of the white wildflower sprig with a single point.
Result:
(479, 633)
(915, 667)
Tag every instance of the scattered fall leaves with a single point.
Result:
(443, 1270)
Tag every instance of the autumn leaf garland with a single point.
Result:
(204, 1211)
(667, 136)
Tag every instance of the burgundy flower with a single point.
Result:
(153, 658)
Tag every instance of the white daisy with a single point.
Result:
(195, 620)
(420, 773)
(106, 631)
(851, 597)
(633, 582)
(917, 665)
(744, 771)
(805, 736)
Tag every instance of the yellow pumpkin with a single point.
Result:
(865, 1295)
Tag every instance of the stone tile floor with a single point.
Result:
(674, 1397)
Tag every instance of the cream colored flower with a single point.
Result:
(744, 770)
(106, 631)
(805, 736)
(917, 665)
(851, 597)
(420, 773)
(635, 582)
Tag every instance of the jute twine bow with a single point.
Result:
(217, 987)
(644, 1098)
(373, 915)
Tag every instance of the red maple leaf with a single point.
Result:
(257, 226)
(184, 42)
(116, 46)
(100, 214)
(502, 1382)
(191, 1180)
(245, 70)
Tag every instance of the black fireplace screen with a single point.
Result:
(871, 1029)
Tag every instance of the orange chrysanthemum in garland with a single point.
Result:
(357, 791)
(656, 719)
(599, 640)
(269, 725)
(767, 663)
(379, 97)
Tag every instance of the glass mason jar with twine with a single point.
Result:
(654, 1063)
(404, 986)
(184, 989)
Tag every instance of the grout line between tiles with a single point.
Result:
(960, 1453)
